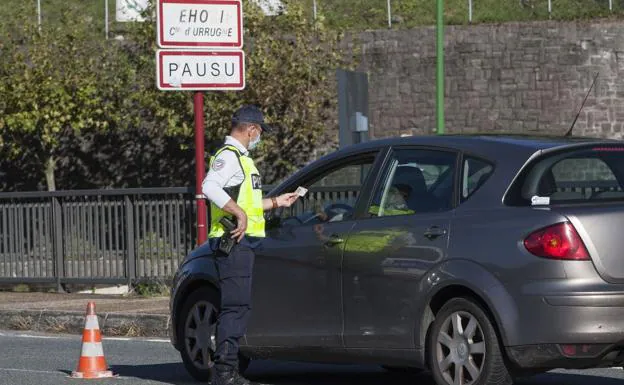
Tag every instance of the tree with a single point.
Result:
(291, 68)
(58, 80)
(86, 111)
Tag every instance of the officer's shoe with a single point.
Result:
(231, 377)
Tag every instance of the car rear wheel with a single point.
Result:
(464, 348)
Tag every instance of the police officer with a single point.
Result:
(234, 188)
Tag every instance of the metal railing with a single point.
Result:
(106, 236)
(94, 236)
(401, 14)
(396, 14)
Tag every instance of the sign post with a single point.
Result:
(440, 66)
(201, 43)
(106, 18)
(200, 170)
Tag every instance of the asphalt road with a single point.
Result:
(48, 359)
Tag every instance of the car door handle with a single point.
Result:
(434, 232)
(334, 240)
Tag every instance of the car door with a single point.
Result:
(297, 297)
(404, 233)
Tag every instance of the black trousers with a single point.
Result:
(235, 274)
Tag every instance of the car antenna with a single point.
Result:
(569, 133)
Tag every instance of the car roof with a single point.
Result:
(509, 152)
(496, 147)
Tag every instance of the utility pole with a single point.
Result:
(106, 17)
(440, 67)
(39, 14)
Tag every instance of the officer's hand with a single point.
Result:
(286, 200)
(241, 226)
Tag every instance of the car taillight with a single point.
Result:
(560, 241)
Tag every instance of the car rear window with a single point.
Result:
(585, 175)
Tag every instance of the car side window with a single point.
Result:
(332, 194)
(475, 172)
(416, 182)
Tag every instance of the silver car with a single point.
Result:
(479, 258)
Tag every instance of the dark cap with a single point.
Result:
(251, 114)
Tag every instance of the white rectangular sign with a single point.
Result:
(200, 24)
(130, 10)
(200, 70)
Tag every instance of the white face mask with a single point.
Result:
(254, 142)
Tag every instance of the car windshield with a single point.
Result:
(585, 175)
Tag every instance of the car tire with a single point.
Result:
(196, 330)
(463, 342)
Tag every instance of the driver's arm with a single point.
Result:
(318, 210)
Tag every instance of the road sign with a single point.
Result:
(200, 70)
(200, 24)
(217, 27)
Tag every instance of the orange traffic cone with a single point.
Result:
(92, 363)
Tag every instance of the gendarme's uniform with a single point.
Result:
(247, 195)
(233, 175)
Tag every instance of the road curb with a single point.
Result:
(73, 322)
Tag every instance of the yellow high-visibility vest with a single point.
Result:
(249, 198)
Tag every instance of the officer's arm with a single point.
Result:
(284, 200)
(267, 204)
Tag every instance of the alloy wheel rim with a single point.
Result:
(460, 349)
(199, 334)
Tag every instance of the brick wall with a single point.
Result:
(516, 77)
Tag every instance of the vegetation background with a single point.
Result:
(78, 110)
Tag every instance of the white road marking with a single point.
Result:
(65, 336)
(31, 371)
(162, 340)
(33, 336)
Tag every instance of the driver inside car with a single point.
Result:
(331, 212)
(396, 202)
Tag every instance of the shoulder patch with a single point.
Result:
(218, 164)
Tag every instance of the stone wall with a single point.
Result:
(516, 77)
